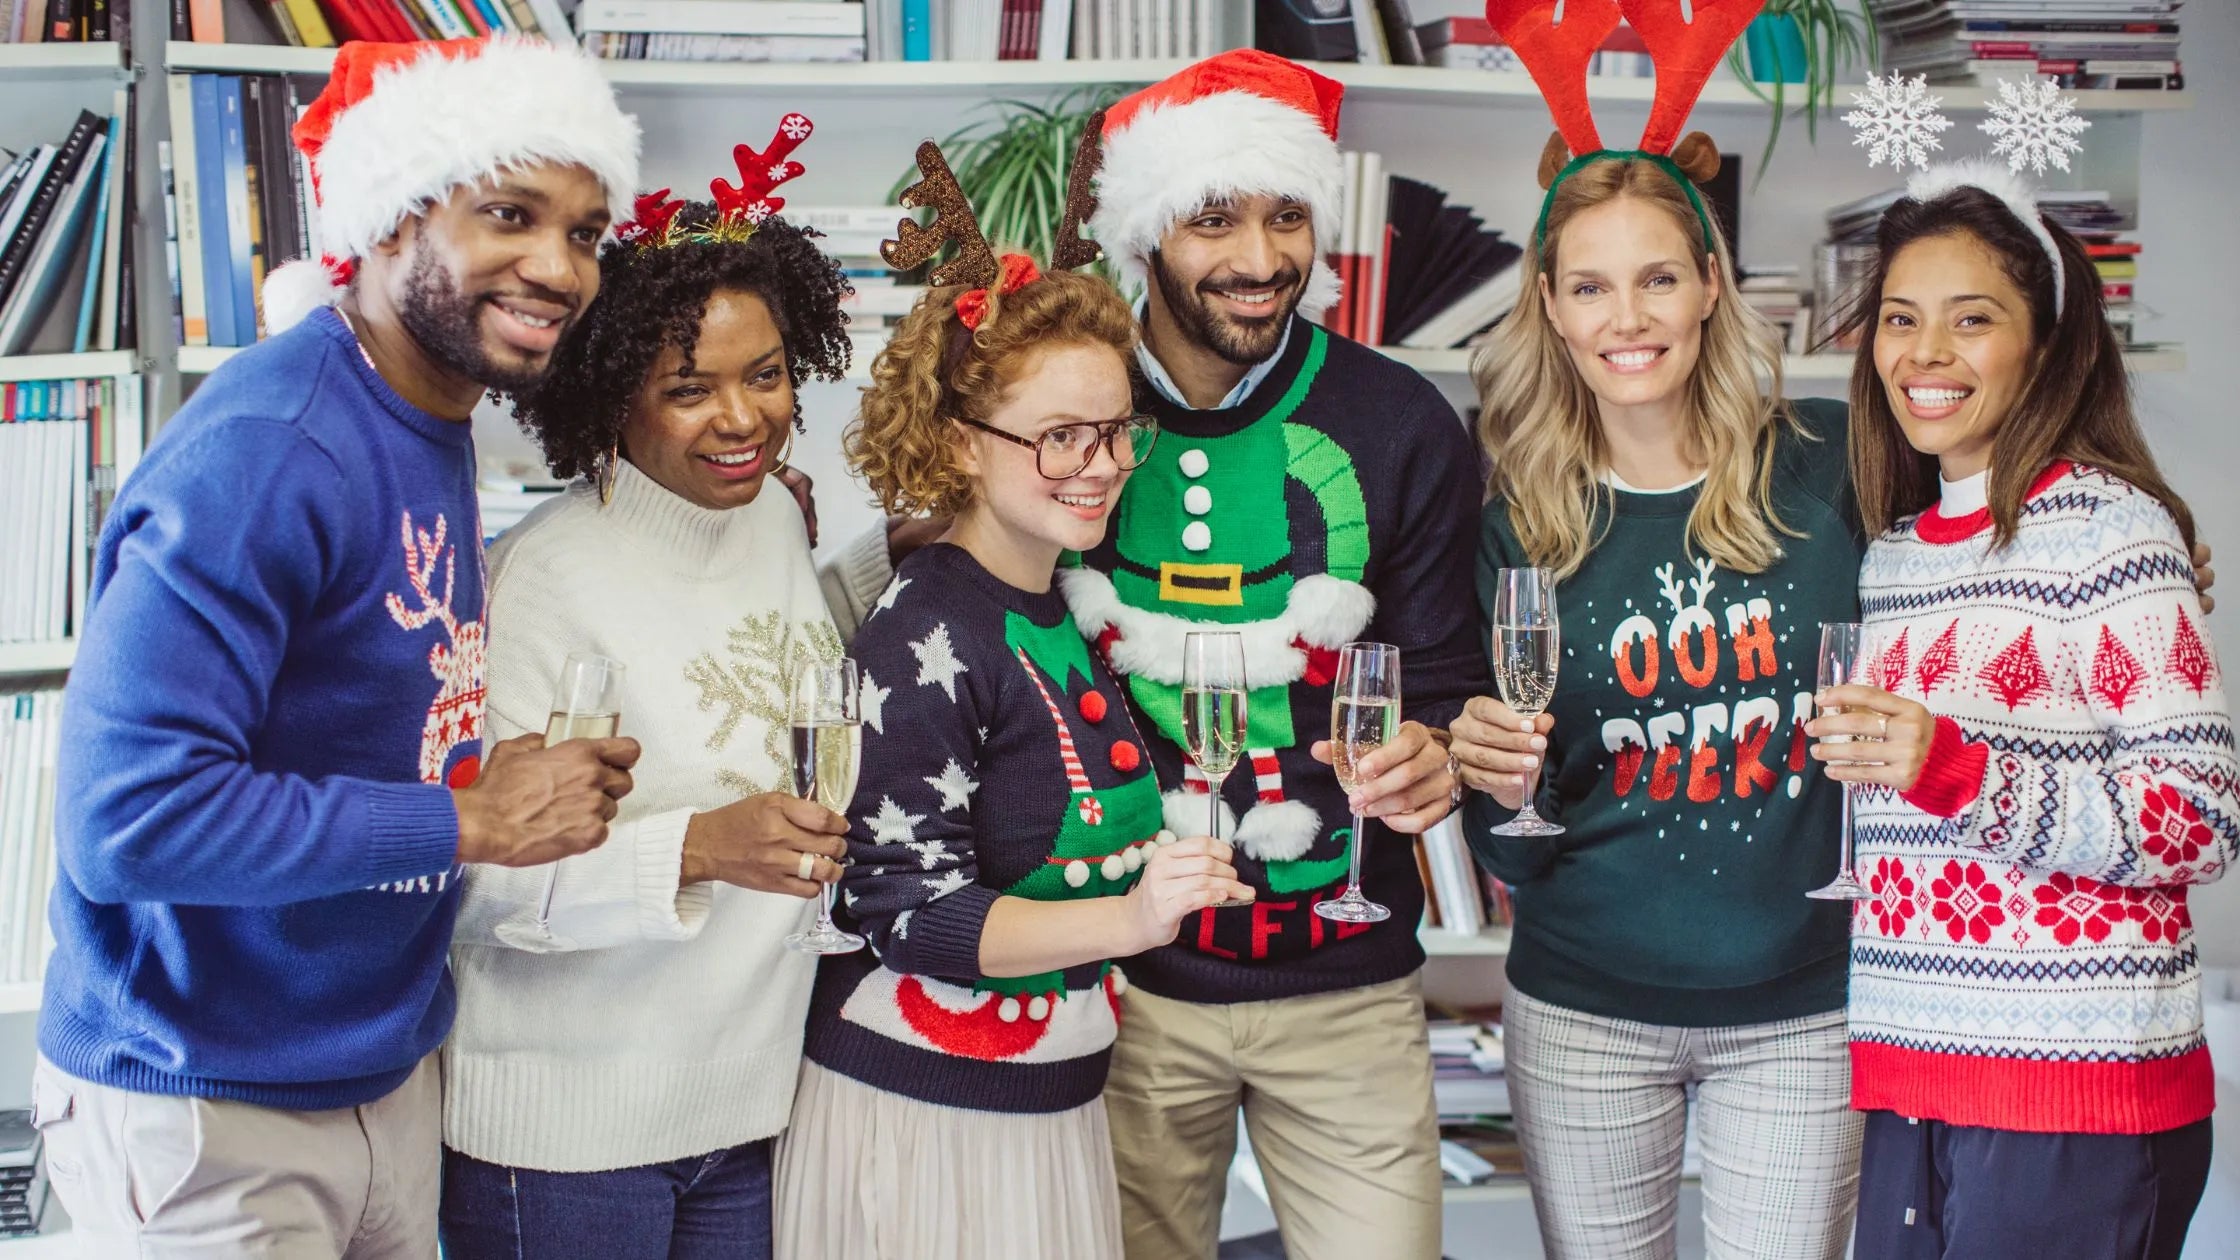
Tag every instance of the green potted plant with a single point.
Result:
(1012, 166)
(1805, 42)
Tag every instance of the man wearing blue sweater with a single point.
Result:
(274, 765)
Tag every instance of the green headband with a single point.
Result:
(1663, 163)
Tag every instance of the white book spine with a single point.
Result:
(192, 307)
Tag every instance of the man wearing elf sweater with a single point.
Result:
(1305, 492)
(274, 729)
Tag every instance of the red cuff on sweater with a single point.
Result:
(1952, 776)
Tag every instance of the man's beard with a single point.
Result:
(448, 326)
(1239, 343)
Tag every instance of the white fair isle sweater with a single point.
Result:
(652, 1022)
(2027, 962)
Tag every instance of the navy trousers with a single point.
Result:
(707, 1207)
(1935, 1191)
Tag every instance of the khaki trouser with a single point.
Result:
(167, 1178)
(1336, 1091)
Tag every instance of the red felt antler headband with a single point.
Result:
(740, 210)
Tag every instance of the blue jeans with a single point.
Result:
(706, 1207)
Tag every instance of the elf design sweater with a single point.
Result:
(280, 681)
(648, 1021)
(1333, 504)
(1695, 824)
(2027, 962)
(999, 760)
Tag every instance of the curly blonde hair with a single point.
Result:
(933, 371)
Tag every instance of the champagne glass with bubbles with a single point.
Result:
(1839, 664)
(586, 704)
(1213, 714)
(1527, 645)
(1364, 714)
(827, 753)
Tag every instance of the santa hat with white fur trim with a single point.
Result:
(399, 126)
(1238, 124)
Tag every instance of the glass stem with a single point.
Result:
(1213, 807)
(824, 909)
(1531, 791)
(1847, 871)
(1353, 874)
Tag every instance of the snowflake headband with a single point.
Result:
(2031, 123)
(655, 224)
(974, 263)
(1686, 40)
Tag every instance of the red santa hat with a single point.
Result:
(1241, 123)
(399, 126)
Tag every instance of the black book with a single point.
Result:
(1399, 32)
(19, 249)
(182, 20)
(97, 28)
(128, 297)
(1307, 30)
(283, 243)
(1723, 198)
(253, 88)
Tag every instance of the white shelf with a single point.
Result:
(37, 658)
(1492, 942)
(1417, 84)
(21, 998)
(1515, 1190)
(203, 360)
(21, 63)
(1796, 367)
(57, 367)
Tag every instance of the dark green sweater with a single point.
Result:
(1695, 824)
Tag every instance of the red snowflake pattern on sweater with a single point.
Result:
(1894, 891)
(1966, 902)
(2074, 906)
(2016, 674)
(2189, 660)
(2115, 671)
(1937, 662)
(2161, 914)
(2174, 830)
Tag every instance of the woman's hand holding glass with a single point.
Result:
(761, 842)
(1499, 749)
(1180, 878)
(1867, 735)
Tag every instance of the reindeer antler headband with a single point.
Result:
(1686, 40)
(739, 211)
(975, 262)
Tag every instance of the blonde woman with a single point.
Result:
(1700, 529)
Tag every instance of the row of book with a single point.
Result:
(59, 452)
(23, 1174)
(2101, 44)
(66, 238)
(1459, 897)
(1417, 271)
(327, 23)
(65, 22)
(236, 198)
(30, 743)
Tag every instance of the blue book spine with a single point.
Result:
(236, 140)
(210, 185)
(917, 30)
(493, 15)
(94, 257)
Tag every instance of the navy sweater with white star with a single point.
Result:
(998, 760)
(1694, 821)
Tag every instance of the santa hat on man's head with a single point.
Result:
(399, 126)
(1242, 123)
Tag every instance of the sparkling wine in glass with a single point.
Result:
(827, 753)
(586, 704)
(1527, 644)
(1213, 714)
(1840, 643)
(1364, 715)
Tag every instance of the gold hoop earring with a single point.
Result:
(779, 464)
(607, 473)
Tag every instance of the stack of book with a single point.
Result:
(237, 201)
(2106, 44)
(58, 459)
(66, 239)
(1111, 30)
(1468, 1072)
(1472, 43)
(326, 23)
(30, 743)
(851, 236)
(1778, 292)
(727, 30)
(23, 1175)
(1418, 271)
(910, 30)
(65, 22)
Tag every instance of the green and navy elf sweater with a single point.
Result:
(1695, 823)
(998, 760)
(1333, 504)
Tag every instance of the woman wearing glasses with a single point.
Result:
(1005, 832)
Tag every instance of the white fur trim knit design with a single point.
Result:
(444, 120)
(1278, 831)
(1994, 177)
(1323, 611)
(1170, 161)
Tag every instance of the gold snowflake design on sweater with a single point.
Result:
(754, 678)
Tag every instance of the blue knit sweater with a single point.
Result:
(281, 675)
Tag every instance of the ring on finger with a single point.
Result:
(1884, 733)
(808, 867)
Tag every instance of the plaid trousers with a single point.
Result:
(1602, 1113)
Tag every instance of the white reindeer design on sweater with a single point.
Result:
(455, 715)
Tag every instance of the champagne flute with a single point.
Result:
(1364, 714)
(1839, 662)
(1213, 715)
(827, 753)
(1527, 644)
(586, 704)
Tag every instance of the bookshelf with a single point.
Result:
(32, 63)
(1491, 942)
(48, 367)
(19, 659)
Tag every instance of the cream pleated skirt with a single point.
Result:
(867, 1175)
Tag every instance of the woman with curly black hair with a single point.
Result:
(630, 1020)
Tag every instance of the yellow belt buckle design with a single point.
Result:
(1215, 584)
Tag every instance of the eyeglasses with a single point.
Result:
(1067, 449)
